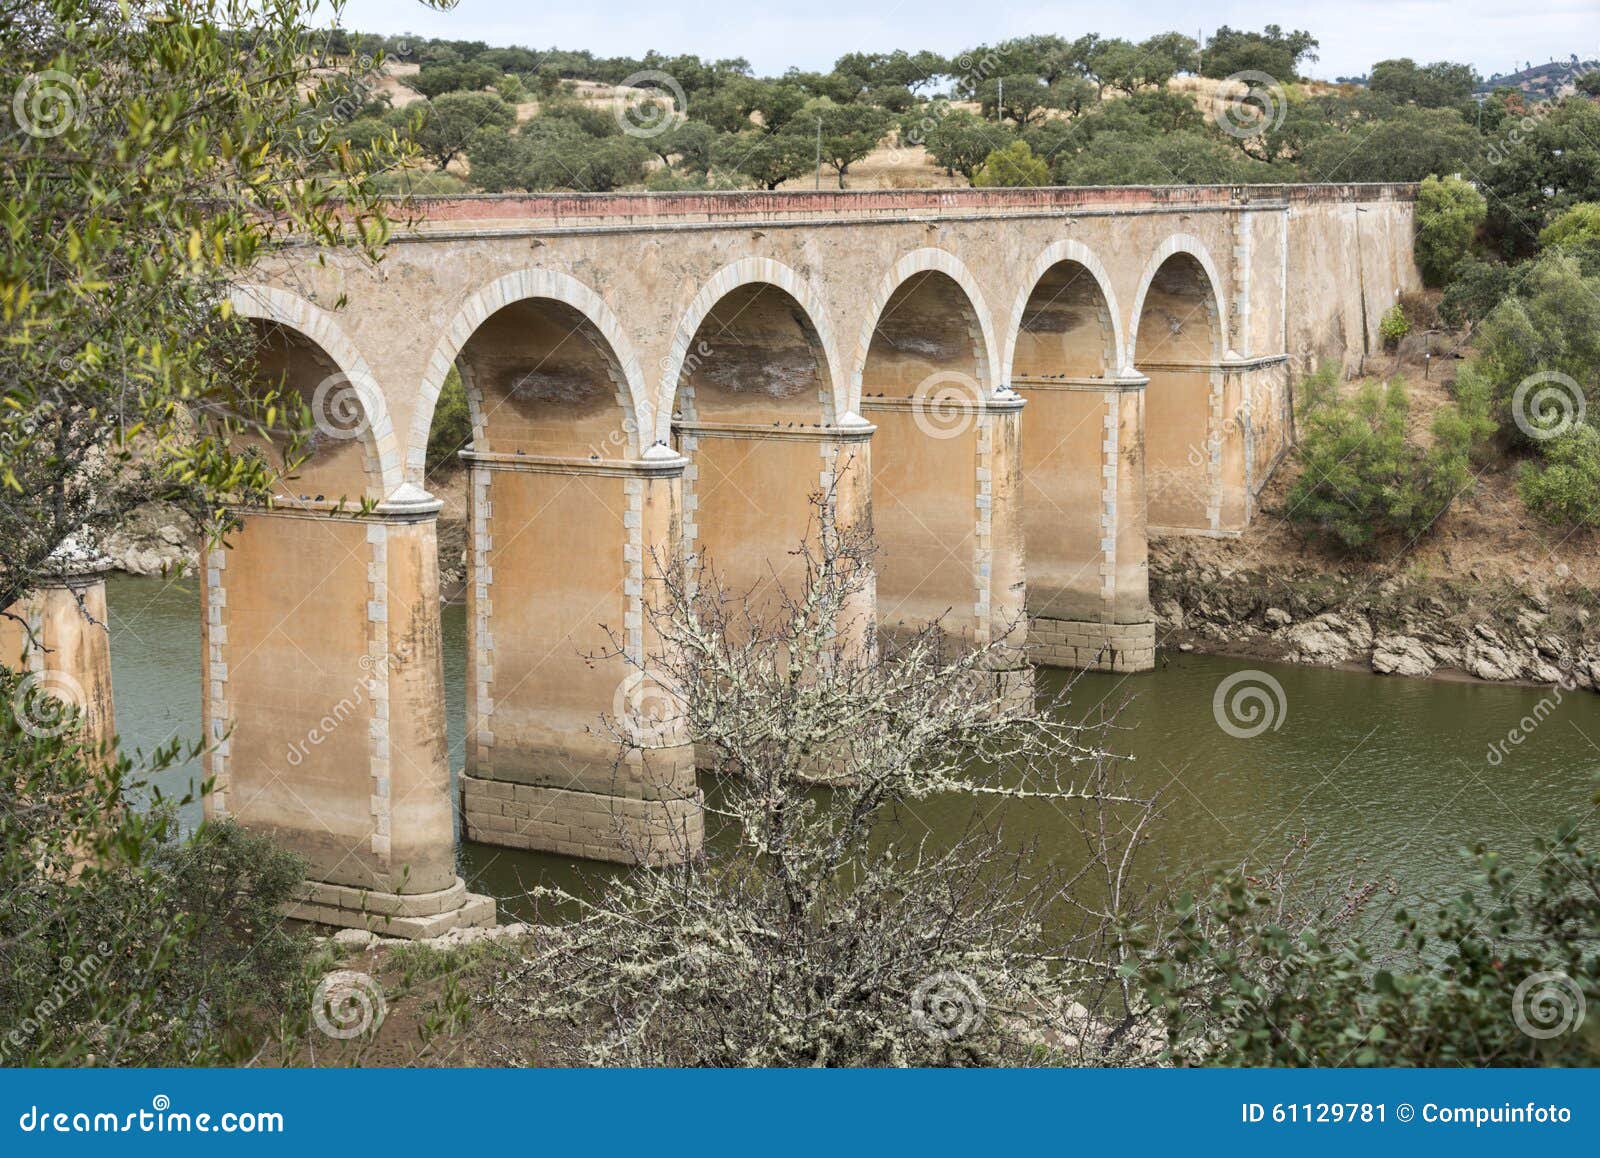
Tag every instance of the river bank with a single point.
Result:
(1487, 594)
(1218, 601)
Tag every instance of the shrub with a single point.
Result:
(1579, 225)
(451, 431)
(1419, 311)
(826, 934)
(1498, 975)
(1363, 479)
(1393, 326)
(1013, 166)
(1551, 326)
(1565, 488)
(417, 183)
(125, 945)
(1449, 214)
(1476, 289)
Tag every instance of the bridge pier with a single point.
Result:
(64, 648)
(324, 708)
(1088, 560)
(946, 502)
(571, 748)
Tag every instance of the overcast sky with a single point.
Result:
(1493, 35)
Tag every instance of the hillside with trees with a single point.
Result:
(1084, 110)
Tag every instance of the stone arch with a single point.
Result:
(747, 271)
(927, 377)
(1189, 435)
(1053, 255)
(526, 285)
(292, 312)
(1196, 249)
(928, 260)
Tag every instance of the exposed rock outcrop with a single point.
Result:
(1396, 625)
(156, 540)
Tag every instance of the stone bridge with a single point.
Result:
(1018, 387)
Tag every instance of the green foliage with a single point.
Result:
(554, 153)
(1442, 84)
(909, 70)
(680, 181)
(1407, 145)
(1578, 225)
(1239, 981)
(690, 146)
(119, 943)
(1120, 158)
(1413, 121)
(1393, 326)
(1026, 98)
(1449, 212)
(960, 141)
(1270, 51)
(1539, 165)
(1363, 479)
(768, 159)
(419, 183)
(434, 80)
(1476, 288)
(442, 127)
(1565, 487)
(173, 161)
(1013, 166)
(451, 431)
(1129, 67)
(1550, 326)
(849, 132)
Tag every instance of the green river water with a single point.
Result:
(1390, 777)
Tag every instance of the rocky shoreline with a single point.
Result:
(1392, 624)
(158, 539)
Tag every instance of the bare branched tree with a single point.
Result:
(824, 925)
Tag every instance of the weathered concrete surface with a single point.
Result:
(656, 377)
(63, 649)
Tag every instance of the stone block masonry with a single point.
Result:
(659, 377)
(1118, 647)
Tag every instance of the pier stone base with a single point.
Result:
(1119, 647)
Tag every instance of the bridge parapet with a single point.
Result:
(655, 210)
